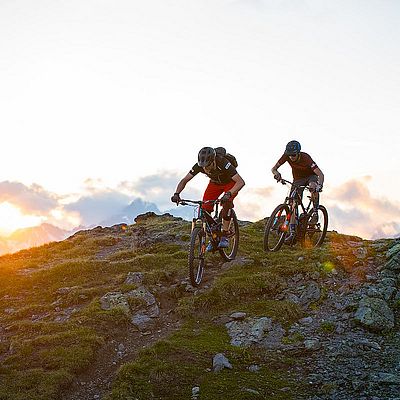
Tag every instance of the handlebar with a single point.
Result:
(284, 182)
(184, 202)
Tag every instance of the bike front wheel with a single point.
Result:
(276, 228)
(229, 253)
(316, 228)
(197, 253)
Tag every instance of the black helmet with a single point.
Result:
(293, 148)
(206, 156)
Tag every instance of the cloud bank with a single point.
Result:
(352, 208)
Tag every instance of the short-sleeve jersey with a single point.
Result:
(221, 175)
(302, 168)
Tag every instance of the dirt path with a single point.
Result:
(97, 380)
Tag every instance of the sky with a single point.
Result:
(111, 100)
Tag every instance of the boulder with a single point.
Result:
(393, 251)
(261, 331)
(142, 293)
(238, 316)
(393, 257)
(112, 300)
(220, 362)
(142, 322)
(374, 314)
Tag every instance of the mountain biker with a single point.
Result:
(223, 179)
(305, 172)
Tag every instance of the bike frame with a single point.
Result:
(201, 220)
(294, 201)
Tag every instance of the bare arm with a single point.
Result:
(183, 182)
(274, 169)
(275, 172)
(239, 183)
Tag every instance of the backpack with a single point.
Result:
(221, 152)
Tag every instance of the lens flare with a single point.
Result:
(328, 266)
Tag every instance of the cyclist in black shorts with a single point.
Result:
(305, 172)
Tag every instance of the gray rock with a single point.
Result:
(381, 290)
(368, 344)
(387, 273)
(311, 293)
(306, 321)
(65, 290)
(312, 344)
(374, 314)
(388, 282)
(360, 253)
(142, 293)
(353, 243)
(252, 391)
(238, 316)
(113, 300)
(260, 326)
(195, 391)
(121, 347)
(315, 275)
(220, 362)
(254, 368)
(393, 257)
(153, 311)
(134, 278)
(251, 331)
(393, 251)
(293, 298)
(386, 378)
(142, 322)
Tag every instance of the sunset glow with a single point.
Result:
(12, 219)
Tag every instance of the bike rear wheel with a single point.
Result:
(229, 253)
(316, 232)
(276, 228)
(196, 259)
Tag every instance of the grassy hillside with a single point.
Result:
(53, 330)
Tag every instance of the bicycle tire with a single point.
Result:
(196, 259)
(229, 253)
(315, 233)
(273, 227)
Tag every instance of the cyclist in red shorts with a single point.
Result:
(223, 179)
(305, 172)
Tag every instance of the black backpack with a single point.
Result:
(221, 152)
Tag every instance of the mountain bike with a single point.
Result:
(205, 228)
(309, 233)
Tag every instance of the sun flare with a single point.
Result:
(11, 219)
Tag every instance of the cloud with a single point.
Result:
(252, 203)
(29, 199)
(354, 210)
(351, 206)
(158, 188)
(98, 206)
